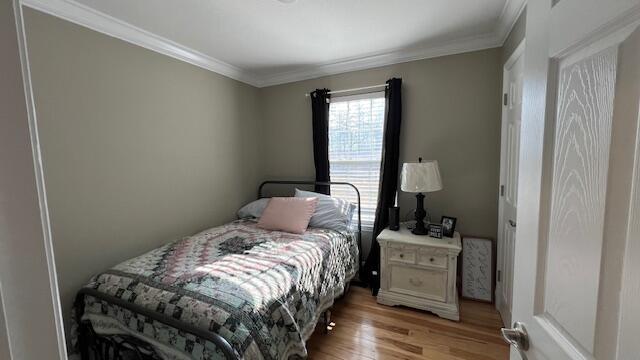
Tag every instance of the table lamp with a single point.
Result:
(420, 177)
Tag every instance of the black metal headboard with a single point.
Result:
(311, 182)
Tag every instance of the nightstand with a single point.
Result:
(419, 271)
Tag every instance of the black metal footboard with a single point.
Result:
(112, 347)
(100, 347)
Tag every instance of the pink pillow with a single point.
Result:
(290, 214)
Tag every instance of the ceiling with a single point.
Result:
(267, 42)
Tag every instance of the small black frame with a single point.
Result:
(449, 228)
(435, 231)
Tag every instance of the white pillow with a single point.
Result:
(331, 213)
(253, 209)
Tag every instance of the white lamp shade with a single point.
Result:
(419, 177)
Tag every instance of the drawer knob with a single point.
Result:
(401, 256)
(431, 259)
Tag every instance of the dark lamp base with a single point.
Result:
(420, 229)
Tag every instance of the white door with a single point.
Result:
(508, 201)
(578, 139)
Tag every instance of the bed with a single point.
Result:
(234, 291)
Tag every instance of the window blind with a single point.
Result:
(356, 126)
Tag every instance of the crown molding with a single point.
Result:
(88, 17)
(469, 44)
(510, 13)
(511, 10)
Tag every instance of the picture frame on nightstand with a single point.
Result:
(435, 231)
(448, 225)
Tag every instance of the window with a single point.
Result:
(356, 126)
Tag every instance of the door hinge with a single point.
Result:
(501, 190)
(499, 275)
(505, 99)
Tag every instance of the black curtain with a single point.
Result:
(320, 120)
(388, 178)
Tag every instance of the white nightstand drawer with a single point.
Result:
(429, 258)
(431, 284)
(401, 254)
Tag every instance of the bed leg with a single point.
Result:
(84, 328)
(328, 325)
(83, 341)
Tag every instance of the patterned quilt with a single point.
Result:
(263, 291)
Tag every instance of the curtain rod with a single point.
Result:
(354, 89)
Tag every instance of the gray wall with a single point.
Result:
(139, 149)
(451, 114)
(515, 36)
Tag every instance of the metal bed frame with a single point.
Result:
(95, 346)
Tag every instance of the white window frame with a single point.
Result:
(370, 95)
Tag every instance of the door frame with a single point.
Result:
(5, 347)
(30, 298)
(517, 53)
(629, 312)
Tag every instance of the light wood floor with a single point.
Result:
(366, 330)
